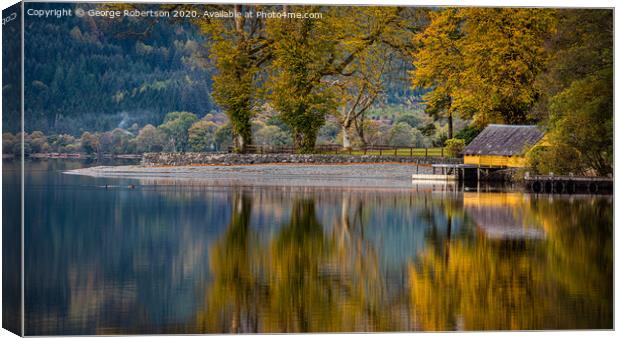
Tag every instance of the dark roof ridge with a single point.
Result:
(511, 125)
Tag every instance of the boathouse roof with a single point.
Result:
(504, 140)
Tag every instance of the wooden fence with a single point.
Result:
(381, 150)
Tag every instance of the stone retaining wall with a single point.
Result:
(180, 159)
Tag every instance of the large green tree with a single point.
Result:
(202, 135)
(176, 128)
(577, 105)
(302, 49)
(238, 48)
(359, 91)
(308, 56)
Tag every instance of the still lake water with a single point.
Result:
(170, 259)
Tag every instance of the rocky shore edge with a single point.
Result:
(186, 159)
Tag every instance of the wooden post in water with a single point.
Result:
(395, 151)
(425, 152)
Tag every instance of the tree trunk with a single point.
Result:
(305, 142)
(359, 127)
(450, 125)
(346, 141)
(239, 144)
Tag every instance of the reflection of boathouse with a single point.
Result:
(501, 216)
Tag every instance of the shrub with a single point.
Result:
(454, 146)
(412, 120)
(468, 133)
(202, 135)
(401, 135)
(558, 159)
(272, 135)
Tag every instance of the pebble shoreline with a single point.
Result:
(326, 175)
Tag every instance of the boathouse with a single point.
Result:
(502, 146)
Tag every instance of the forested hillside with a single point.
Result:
(85, 74)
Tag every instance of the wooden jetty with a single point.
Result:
(571, 184)
(441, 173)
(455, 172)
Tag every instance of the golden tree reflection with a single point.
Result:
(488, 262)
(302, 280)
(520, 283)
(235, 294)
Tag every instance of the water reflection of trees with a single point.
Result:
(563, 281)
(303, 279)
(310, 276)
(235, 292)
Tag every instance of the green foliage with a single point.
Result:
(309, 54)
(89, 143)
(454, 146)
(60, 142)
(202, 135)
(237, 48)
(277, 121)
(272, 135)
(412, 120)
(302, 50)
(122, 142)
(329, 133)
(17, 147)
(401, 135)
(176, 128)
(38, 142)
(428, 129)
(150, 139)
(419, 140)
(223, 137)
(96, 75)
(557, 159)
(468, 133)
(483, 65)
(582, 134)
(117, 141)
(106, 143)
(579, 97)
